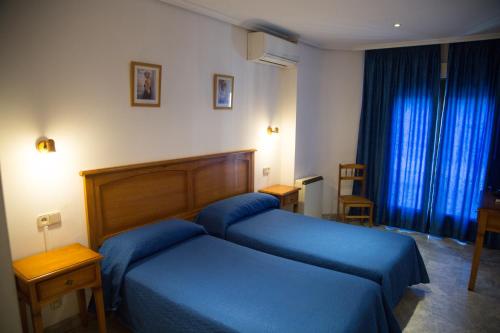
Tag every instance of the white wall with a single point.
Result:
(65, 75)
(328, 111)
(287, 124)
(308, 110)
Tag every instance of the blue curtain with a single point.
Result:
(472, 91)
(397, 132)
(427, 163)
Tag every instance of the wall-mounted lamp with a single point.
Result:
(271, 130)
(45, 145)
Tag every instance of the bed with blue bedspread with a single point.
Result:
(173, 277)
(253, 220)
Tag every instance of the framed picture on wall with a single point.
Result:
(223, 92)
(145, 84)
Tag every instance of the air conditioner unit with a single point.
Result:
(268, 49)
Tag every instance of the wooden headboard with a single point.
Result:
(125, 197)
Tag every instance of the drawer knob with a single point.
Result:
(69, 282)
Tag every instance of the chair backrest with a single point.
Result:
(352, 172)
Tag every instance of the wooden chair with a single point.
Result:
(354, 173)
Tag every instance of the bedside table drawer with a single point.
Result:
(291, 199)
(66, 282)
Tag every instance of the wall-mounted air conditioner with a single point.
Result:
(268, 49)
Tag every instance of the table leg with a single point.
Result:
(36, 317)
(99, 304)
(295, 207)
(82, 305)
(482, 219)
(22, 312)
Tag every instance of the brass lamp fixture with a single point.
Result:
(271, 130)
(45, 145)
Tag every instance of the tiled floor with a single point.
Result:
(444, 305)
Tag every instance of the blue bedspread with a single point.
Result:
(392, 260)
(121, 251)
(205, 284)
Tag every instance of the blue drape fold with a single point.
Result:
(397, 132)
(472, 91)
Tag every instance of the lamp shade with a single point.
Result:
(46, 146)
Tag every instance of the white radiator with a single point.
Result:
(310, 195)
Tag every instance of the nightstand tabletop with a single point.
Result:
(52, 262)
(279, 190)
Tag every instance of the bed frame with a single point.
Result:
(122, 198)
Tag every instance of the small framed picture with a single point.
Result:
(145, 84)
(223, 91)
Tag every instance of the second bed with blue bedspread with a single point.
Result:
(253, 220)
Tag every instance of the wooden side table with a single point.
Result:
(288, 195)
(488, 220)
(47, 276)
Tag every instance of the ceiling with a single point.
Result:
(359, 24)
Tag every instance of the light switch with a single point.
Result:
(266, 171)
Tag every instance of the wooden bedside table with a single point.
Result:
(47, 276)
(288, 195)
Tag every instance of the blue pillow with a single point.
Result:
(217, 217)
(126, 248)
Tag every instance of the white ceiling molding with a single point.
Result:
(448, 40)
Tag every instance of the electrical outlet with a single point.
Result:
(48, 219)
(56, 304)
(266, 171)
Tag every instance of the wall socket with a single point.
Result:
(266, 171)
(48, 219)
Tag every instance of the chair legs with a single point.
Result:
(370, 220)
(368, 217)
(338, 208)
